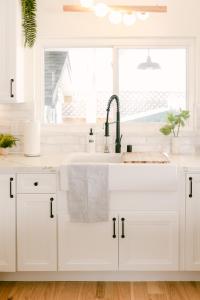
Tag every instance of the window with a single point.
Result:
(149, 81)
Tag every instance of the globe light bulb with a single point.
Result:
(129, 19)
(143, 16)
(115, 17)
(86, 3)
(101, 9)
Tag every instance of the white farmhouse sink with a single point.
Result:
(143, 177)
(148, 177)
(94, 158)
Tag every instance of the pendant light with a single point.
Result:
(149, 64)
(126, 14)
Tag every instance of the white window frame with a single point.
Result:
(116, 44)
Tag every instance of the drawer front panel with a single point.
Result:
(36, 183)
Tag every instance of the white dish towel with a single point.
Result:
(87, 192)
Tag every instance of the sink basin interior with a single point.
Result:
(115, 158)
(94, 158)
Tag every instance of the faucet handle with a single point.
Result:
(110, 123)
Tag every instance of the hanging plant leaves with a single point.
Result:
(29, 23)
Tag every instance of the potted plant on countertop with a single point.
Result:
(173, 126)
(7, 141)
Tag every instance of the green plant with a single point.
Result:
(29, 23)
(175, 122)
(7, 140)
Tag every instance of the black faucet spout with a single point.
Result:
(118, 136)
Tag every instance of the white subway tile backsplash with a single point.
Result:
(62, 141)
(66, 139)
(72, 148)
(50, 149)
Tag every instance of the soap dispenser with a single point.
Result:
(91, 142)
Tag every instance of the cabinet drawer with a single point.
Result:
(36, 183)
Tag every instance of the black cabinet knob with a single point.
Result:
(36, 183)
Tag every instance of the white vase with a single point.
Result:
(175, 145)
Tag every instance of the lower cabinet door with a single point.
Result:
(36, 232)
(149, 241)
(88, 246)
(7, 223)
(192, 238)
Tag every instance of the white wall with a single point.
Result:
(182, 20)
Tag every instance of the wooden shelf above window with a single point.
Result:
(122, 8)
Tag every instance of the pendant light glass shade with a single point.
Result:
(86, 3)
(143, 16)
(101, 9)
(115, 17)
(129, 19)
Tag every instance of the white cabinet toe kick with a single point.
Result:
(150, 235)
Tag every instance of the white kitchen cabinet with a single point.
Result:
(149, 241)
(11, 52)
(7, 223)
(35, 183)
(88, 246)
(192, 238)
(36, 232)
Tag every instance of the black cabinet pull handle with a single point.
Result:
(11, 88)
(114, 228)
(36, 183)
(11, 193)
(51, 208)
(190, 194)
(123, 228)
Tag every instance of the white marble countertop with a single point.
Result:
(53, 161)
(21, 163)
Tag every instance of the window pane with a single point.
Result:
(152, 82)
(78, 83)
